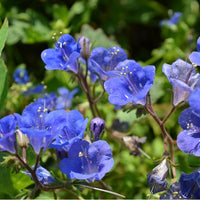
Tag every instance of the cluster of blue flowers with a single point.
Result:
(127, 82)
(64, 132)
(186, 88)
(124, 80)
(49, 123)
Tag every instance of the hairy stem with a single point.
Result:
(166, 137)
(35, 179)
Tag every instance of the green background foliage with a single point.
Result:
(131, 24)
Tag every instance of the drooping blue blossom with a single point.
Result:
(7, 134)
(21, 76)
(174, 19)
(195, 55)
(131, 85)
(43, 175)
(157, 178)
(73, 129)
(188, 140)
(103, 60)
(87, 161)
(49, 101)
(64, 101)
(97, 126)
(184, 79)
(40, 126)
(64, 56)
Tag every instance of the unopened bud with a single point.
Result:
(85, 47)
(23, 140)
(97, 126)
(157, 178)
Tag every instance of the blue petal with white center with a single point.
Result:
(104, 60)
(188, 140)
(74, 129)
(131, 84)
(40, 126)
(64, 56)
(87, 161)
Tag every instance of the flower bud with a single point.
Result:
(85, 47)
(97, 126)
(23, 140)
(157, 178)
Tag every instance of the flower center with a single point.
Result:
(41, 118)
(60, 46)
(127, 74)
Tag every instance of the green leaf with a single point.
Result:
(3, 69)
(97, 37)
(3, 82)
(6, 185)
(20, 181)
(3, 34)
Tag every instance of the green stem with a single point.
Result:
(54, 194)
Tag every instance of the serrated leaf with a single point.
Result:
(3, 34)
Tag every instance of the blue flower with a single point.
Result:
(7, 134)
(87, 161)
(49, 101)
(64, 101)
(97, 126)
(157, 179)
(183, 78)
(188, 140)
(64, 56)
(103, 61)
(174, 19)
(190, 184)
(21, 76)
(188, 187)
(73, 129)
(39, 125)
(131, 85)
(194, 100)
(174, 192)
(43, 175)
(34, 90)
(195, 55)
